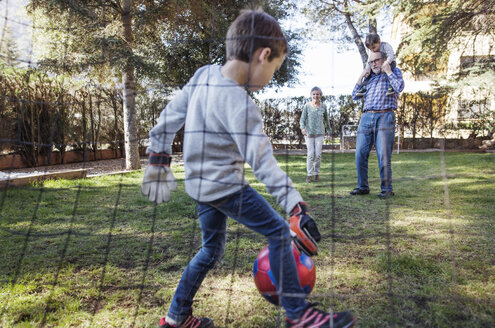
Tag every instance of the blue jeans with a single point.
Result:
(377, 129)
(251, 209)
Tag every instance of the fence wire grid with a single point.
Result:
(94, 253)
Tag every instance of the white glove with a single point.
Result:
(158, 179)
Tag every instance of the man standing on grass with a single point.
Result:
(377, 124)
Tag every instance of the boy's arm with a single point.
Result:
(256, 149)
(389, 52)
(158, 179)
(170, 121)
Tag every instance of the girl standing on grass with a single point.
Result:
(314, 125)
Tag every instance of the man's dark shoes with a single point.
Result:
(358, 191)
(313, 317)
(385, 194)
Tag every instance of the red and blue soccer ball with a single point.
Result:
(263, 276)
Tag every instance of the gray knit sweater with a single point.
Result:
(223, 131)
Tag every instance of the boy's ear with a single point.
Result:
(265, 54)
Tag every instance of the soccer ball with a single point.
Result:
(263, 276)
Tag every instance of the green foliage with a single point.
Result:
(171, 40)
(344, 22)
(8, 49)
(343, 111)
(436, 28)
(422, 113)
(480, 123)
(40, 114)
(281, 116)
(88, 42)
(149, 104)
(32, 123)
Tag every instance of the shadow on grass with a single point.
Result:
(96, 253)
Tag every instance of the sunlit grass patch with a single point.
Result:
(96, 253)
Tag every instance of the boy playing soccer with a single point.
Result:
(223, 130)
(374, 44)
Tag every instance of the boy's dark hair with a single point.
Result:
(371, 39)
(251, 30)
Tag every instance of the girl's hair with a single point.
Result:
(251, 30)
(371, 39)
(316, 88)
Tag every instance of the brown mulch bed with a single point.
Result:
(94, 168)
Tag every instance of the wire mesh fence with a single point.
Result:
(95, 253)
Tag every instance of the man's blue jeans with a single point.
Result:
(377, 129)
(251, 209)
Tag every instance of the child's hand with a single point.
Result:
(158, 178)
(303, 230)
(386, 67)
(304, 132)
(367, 71)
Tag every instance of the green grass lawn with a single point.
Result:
(95, 253)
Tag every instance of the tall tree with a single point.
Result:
(8, 48)
(92, 37)
(436, 30)
(130, 136)
(140, 41)
(348, 21)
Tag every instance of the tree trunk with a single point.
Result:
(372, 26)
(130, 137)
(357, 40)
(117, 141)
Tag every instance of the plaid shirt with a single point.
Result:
(376, 86)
